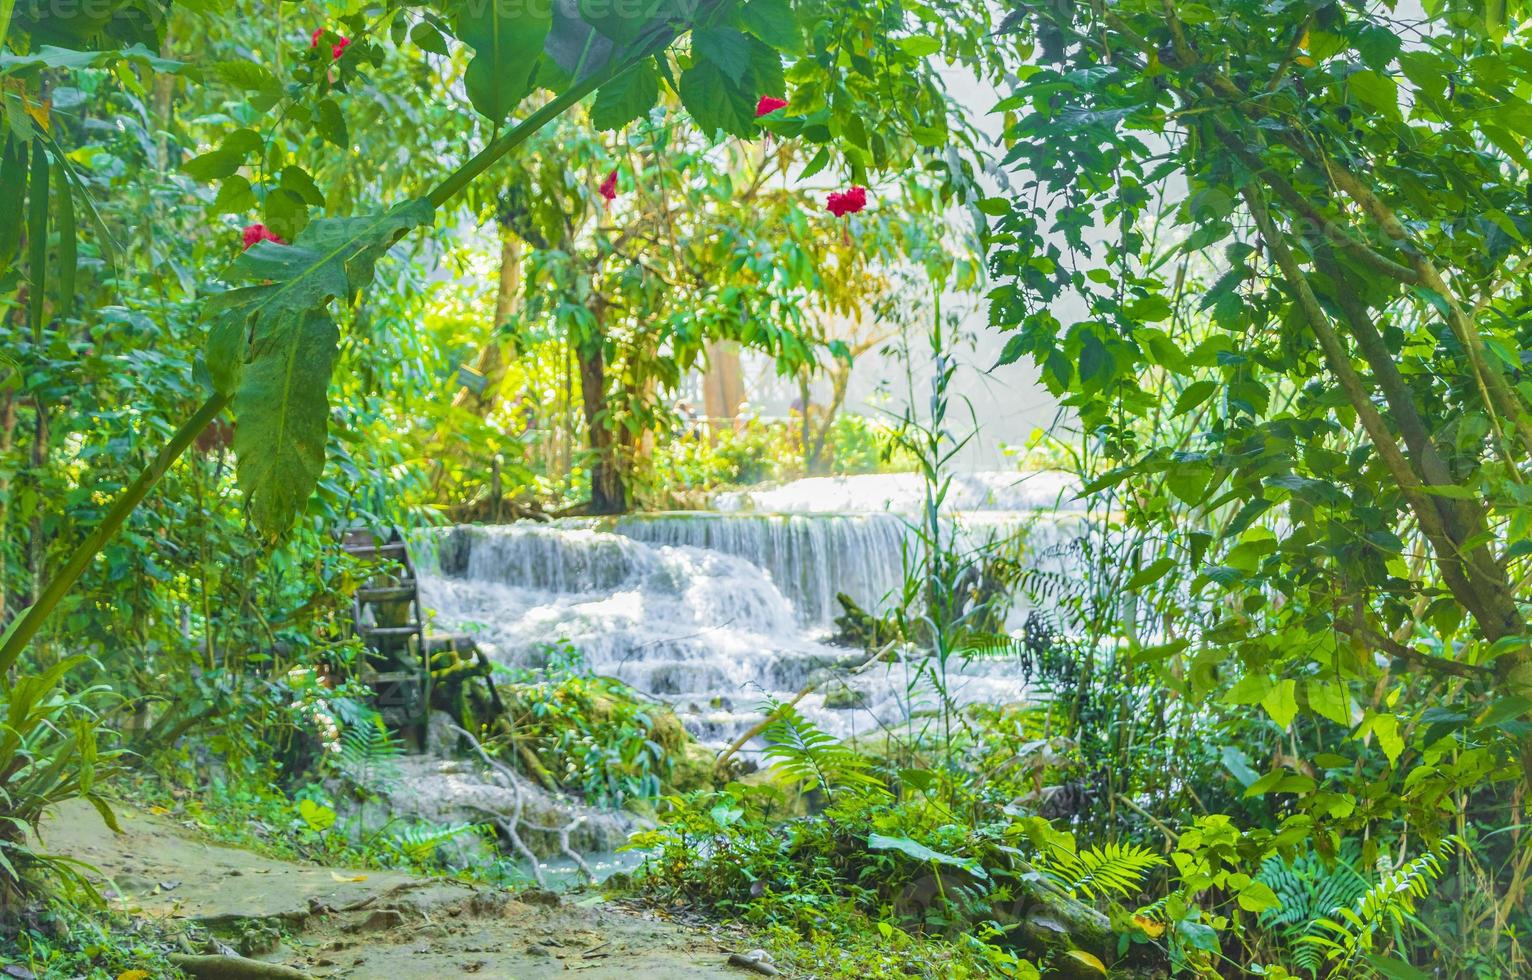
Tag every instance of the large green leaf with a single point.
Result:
(71, 59)
(626, 97)
(507, 40)
(101, 23)
(626, 22)
(13, 195)
(774, 22)
(716, 101)
(283, 415)
(726, 48)
(920, 852)
(272, 346)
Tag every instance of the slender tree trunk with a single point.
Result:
(7, 442)
(36, 546)
(164, 97)
(817, 436)
(492, 362)
(805, 431)
(723, 385)
(608, 494)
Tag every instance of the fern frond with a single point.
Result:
(1353, 930)
(419, 843)
(805, 754)
(1310, 890)
(1115, 869)
(367, 749)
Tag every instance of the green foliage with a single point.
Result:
(79, 938)
(49, 753)
(593, 735)
(367, 753)
(417, 845)
(878, 874)
(271, 349)
(507, 40)
(1310, 890)
(803, 754)
(1116, 870)
(1352, 931)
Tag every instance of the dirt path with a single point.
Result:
(345, 923)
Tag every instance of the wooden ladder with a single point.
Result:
(401, 642)
(397, 669)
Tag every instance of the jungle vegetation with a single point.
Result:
(277, 269)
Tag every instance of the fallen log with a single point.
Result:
(234, 968)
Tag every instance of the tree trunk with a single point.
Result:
(817, 436)
(164, 96)
(723, 385)
(36, 546)
(492, 361)
(7, 437)
(608, 494)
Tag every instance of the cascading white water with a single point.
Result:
(713, 612)
(809, 558)
(905, 493)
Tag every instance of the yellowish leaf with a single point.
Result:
(38, 111)
(1088, 960)
(341, 877)
(1151, 928)
(133, 975)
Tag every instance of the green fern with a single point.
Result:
(418, 844)
(368, 754)
(806, 755)
(1116, 869)
(1386, 905)
(1310, 890)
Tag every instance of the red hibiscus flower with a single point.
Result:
(608, 187)
(260, 233)
(849, 201)
(337, 49)
(768, 105)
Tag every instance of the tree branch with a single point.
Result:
(1411, 656)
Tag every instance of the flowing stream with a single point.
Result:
(715, 611)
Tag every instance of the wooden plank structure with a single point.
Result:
(406, 661)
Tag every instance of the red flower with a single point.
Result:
(260, 233)
(847, 202)
(337, 49)
(768, 105)
(608, 187)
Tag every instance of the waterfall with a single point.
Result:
(808, 558)
(905, 493)
(714, 612)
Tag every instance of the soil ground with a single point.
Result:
(334, 922)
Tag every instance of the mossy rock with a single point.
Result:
(842, 696)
